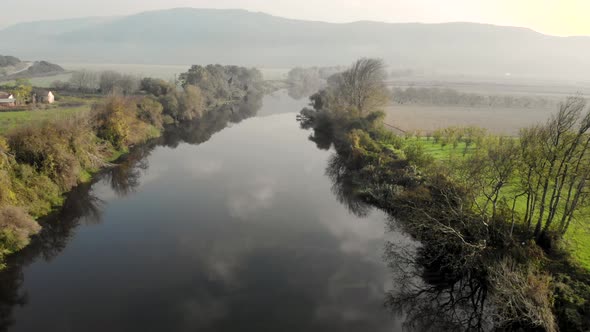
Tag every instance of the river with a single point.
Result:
(237, 229)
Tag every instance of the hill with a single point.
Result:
(12, 68)
(186, 36)
(8, 61)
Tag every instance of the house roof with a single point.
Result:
(5, 95)
(41, 92)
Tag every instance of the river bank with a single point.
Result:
(206, 217)
(486, 265)
(41, 162)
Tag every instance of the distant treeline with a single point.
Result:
(305, 81)
(39, 163)
(451, 97)
(105, 82)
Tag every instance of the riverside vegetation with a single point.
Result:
(42, 161)
(491, 222)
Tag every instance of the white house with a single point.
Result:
(42, 96)
(7, 99)
(50, 97)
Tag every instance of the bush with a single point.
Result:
(59, 150)
(150, 111)
(16, 228)
(415, 154)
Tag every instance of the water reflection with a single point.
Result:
(241, 233)
(125, 177)
(433, 292)
(427, 298)
(83, 205)
(429, 303)
(52, 239)
(345, 188)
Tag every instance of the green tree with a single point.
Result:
(22, 91)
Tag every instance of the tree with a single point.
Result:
(222, 84)
(156, 87)
(84, 81)
(112, 122)
(555, 159)
(127, 85)
(191, 103)
(108, 81)
(22, 91)
(59, 85)
(111, 81)
(150, 111)
(362, 86)
(170, 105)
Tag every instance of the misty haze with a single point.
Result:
(246, 165)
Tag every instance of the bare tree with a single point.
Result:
(108, 81)
(362, 86)
(84, 80)
(555, 158)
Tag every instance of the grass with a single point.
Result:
(577, 238)
(440, 152)
(12, 120)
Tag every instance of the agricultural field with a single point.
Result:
(506, 85)
(576, 239)
(427, 118)
(66, 107)
(498, 119)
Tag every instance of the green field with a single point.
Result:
(11, 120)
(577, 238)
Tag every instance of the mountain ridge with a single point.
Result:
(114, 17)
(237, 36)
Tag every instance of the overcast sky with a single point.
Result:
(557, 17)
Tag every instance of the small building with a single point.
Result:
(7, 99)
(43, 96)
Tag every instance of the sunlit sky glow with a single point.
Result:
(555, 17)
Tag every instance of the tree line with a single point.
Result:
(452, 97)
(104, 82)
(305, 81)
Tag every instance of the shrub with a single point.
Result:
(16, 227)
(112, 121)
(150, 111)
(60, 150)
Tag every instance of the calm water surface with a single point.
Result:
(241, 232)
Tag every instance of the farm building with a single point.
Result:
(7, 99)
(43, 96)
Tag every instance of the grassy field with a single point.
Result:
(11, 120)
(577, 238)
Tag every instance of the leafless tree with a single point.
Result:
(84, 80)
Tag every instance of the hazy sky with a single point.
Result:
(557, 17)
